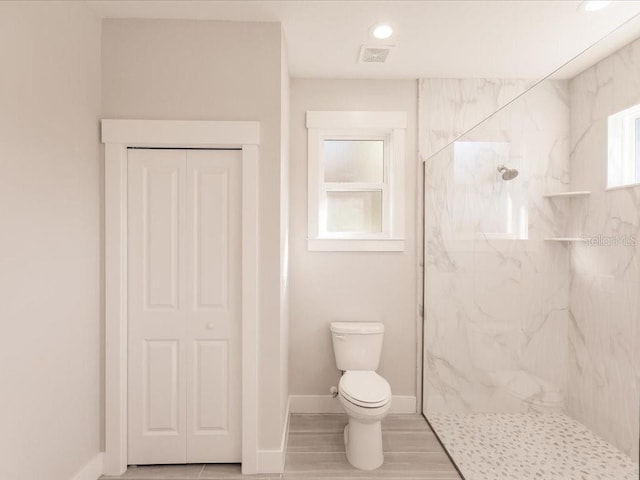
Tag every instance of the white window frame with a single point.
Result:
(623, 168)
(332, 125)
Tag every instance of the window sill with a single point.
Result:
(352, 245)
(620, 187)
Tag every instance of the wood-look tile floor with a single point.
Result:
(411, 450)
(315, 450)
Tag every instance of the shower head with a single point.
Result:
(507, 173)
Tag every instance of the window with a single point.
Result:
(484, 205)
(624, 148)
(356, 181)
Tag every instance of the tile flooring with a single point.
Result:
(411, 450)
(316, 451)
(485, 446)
(187, 472)
(522, 446)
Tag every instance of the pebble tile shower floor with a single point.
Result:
(529, 447)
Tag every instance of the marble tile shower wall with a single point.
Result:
(496, 301)
(604, 350)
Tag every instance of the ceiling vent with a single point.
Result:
(374, 54)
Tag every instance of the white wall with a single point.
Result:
(201, 70)
(328, 286)
(50, 347)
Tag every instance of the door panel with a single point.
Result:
(160, 389)
(184, 306)
(157, 313)
(214, 209)
(160, 237)
(211, 385)
(211, 236)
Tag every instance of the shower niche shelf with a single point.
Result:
(579, 193)
(574, 194)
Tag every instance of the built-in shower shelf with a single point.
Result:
(574, 194)
(567, 194)
(564, 239)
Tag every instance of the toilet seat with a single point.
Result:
(365, 388)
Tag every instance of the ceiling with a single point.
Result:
(433, 38)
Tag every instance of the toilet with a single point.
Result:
(364, 395)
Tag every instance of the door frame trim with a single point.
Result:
(118, 135)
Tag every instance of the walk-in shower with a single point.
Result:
(531, 333)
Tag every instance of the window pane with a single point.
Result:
(354, 211)
(623, 160)
(354, 161)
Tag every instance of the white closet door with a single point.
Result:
(157, 312)
(213, 310)
(184, 329)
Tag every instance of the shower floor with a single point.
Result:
(529, 447)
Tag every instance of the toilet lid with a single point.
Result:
(365, 388)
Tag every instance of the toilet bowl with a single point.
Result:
(366, 398)
(363, 393)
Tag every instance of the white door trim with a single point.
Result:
(118, 135)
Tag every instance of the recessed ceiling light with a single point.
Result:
(382, 31)
(594, 5)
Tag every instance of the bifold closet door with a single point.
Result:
(184, 238)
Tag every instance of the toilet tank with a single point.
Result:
(357, 345)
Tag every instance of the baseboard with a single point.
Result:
(327, 404)
(92, 470)
(285, 434)
(272, 461)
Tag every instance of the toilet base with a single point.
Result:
(363, 444)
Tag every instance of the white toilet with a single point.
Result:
(364, 395)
